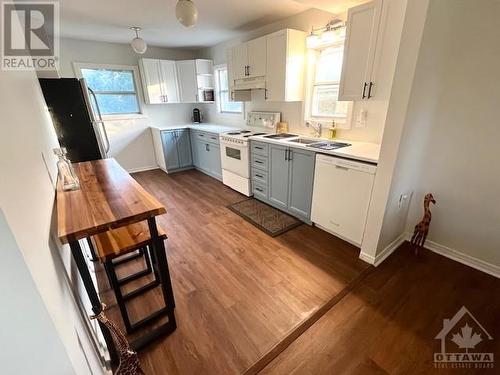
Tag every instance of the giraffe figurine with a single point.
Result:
(422, 228)
(129, 360)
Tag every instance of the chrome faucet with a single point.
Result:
(316, 127)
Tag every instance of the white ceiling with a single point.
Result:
(219, 20)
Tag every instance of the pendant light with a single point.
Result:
(186, 12)
(138, 44)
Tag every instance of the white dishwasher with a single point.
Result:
(341, 196)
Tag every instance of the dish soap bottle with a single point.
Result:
(67, 175)
(332, 131)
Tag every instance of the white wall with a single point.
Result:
(28, 169)
(425, 94)
(131, 142)
(450, 142)
(460, 160)
(292, 112)
(28, 331)
(416, 13)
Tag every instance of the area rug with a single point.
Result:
(266, 218)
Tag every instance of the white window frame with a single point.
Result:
(218, 91)
(77, 68)
(340, 121)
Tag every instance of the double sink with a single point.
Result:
(308, 142)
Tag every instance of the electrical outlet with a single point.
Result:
(362, 118)
(404, 198)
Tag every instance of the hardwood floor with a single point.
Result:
(300, 303)
(239, 293)
(388, 323)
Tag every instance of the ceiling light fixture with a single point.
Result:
(138, 44)
(186, 12)
(333, 32)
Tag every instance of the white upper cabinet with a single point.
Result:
(240, 61)
(151, 81)
(170, 87)
(204, 67)
(256, 57)
(188, 86)
(363, 21)
(286, 51)
(185, 81)
(274, 63)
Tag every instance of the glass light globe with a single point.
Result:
(139, 45)
(186, 12)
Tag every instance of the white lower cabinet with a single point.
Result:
(341, 196)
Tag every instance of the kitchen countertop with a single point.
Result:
(207, 127)
(362, 151)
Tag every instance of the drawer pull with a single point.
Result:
(341, 167)
(259, 148)
(259, 189)
(259, 175)
(258, 161)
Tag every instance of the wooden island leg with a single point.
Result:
(81, 264)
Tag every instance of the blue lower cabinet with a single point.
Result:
(194, 149)
(169, 142)
(177, 149)
(300, 182)
(214, 160)
(287, 182)
(278, 176)
(184, 148)
(206, 153)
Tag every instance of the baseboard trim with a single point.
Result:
(142, 169)
(463, 258)
(389, 249)
(437, 248)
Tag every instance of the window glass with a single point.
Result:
(323, 101)
(329, 65)
(115, 90)
(222, 94)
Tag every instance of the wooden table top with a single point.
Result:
(108, 198)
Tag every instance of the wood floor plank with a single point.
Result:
(387, 324)
(239, 292)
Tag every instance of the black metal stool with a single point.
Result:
(111, 247)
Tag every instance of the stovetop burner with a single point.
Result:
(234, 133)
(251, 135)
(245, 131)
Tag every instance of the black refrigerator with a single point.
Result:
(76, 117)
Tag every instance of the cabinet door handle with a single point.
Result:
(232, 95)
(286, 155)
(364, 89)
(370, 90)
(206, 147)
(290, 152)
(342, 167)
(265, 94)
(248, 70)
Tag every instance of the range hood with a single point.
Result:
(254, 83)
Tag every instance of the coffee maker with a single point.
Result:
(197, 116)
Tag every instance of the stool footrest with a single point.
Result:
(149, 319)
(141, 290)
(163, 330)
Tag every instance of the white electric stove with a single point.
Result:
(235, 150)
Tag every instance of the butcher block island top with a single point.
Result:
(108, 198)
